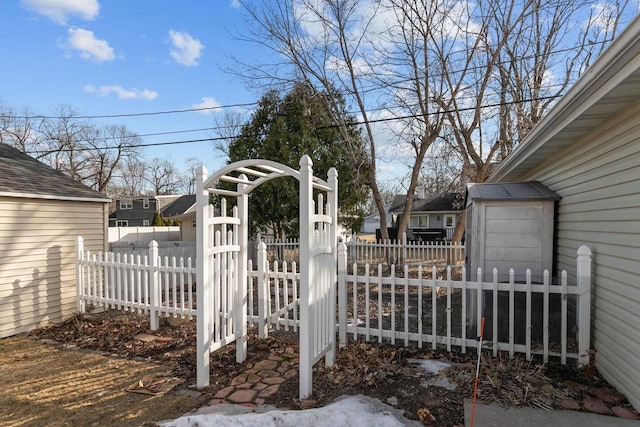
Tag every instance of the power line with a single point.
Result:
(151, 113)
(387, 119)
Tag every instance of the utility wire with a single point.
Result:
(387, 119)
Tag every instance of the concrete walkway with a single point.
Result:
(496, 415)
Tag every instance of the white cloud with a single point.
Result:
(146, 94)
(88, 46)
(206, 102)
(186, 50)
(59, 11)
(235, 4)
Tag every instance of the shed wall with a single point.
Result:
(37, 258)
(514, 235)
(598, 179)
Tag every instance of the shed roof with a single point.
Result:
(523, 191)
(24, 176)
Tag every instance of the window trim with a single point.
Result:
(453, 220)
(126, 204)
(145, 223)
(145, 203)
(416, 221)
(122, 223)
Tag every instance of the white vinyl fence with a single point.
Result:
(148, 283)
(389, 252)
(426, 306)
(412, 253)
(142, 234)
(181, 249)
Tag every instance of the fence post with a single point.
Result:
(203, 281)
(154, 285)
(342, 293)
(583, 281)
(263, 288)
(79, 276)
(241, 290)
(403, 261)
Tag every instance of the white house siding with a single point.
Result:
(37, 258)
(598, 179)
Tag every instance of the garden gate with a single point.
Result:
(221, 247)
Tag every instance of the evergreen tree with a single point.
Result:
(283, 129)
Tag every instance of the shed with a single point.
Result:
(42, 212)
(509, 225)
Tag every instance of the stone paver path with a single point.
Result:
(256, 384)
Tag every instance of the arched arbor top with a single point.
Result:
(254, 172)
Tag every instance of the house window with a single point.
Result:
(193, 223)
(449, 221)
(419, 221)
(126, 204)
(145, 203)
(122, 223)
(145, 222)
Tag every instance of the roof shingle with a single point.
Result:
(24, 176)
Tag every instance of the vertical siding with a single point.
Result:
(37, 258)
(599, 181)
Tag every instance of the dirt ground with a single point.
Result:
(43, 384)
(78, 373)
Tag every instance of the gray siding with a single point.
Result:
(37, 258)
(599, 180)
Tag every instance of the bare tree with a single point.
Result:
(130, 179)
(341, 47)
(63, 138)
(163, 177)
(106, 150)
(18, 129)
(538, 65)
(188, 178)
(477, 74)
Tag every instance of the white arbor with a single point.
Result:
(221, 281)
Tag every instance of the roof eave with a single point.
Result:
(52, 197)
(609, 70)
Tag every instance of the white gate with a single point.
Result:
(318, 273)
(222, 263)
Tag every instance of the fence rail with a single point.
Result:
(405, 251)
(149, 283)
(426, 306)
(418, 306)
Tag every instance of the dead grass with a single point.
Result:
(43, 385)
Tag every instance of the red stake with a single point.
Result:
(475, 387)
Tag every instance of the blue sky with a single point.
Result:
(126, 57)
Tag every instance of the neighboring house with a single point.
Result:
(372, 222)
(133, 212)
(587, 150)
(433, 216)
(139, 211)
(180, 206)
(42, 214)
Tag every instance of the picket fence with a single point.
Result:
(150, 283)
(419, 305)
(412, 306)
(404, 251)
